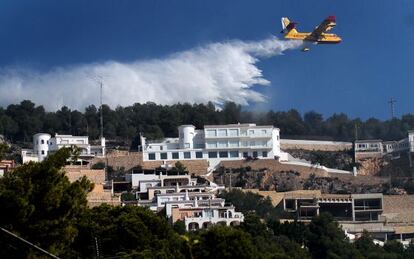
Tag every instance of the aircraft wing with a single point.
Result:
(324, 26)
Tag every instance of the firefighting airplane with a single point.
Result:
(317, 36)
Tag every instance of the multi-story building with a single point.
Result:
(349, 207)
(216, 143)
(377, 148)
(44, 144)
(181, 198)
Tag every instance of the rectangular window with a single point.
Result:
(254, 153)
(264, 132)
(163, 155)
(264, 154)
(186, 145)
(233, 143)
(199, 145)
(151, 156)
(233, 132)
(42, 141)
(222, 133)
(234, 153)
(211, 144)
(243, 132)
(222, 144)
(223, 154)
(245, 154)
(199, 154)
(175, 155)
(212, 154)
(211, 133)
(43, 152)
(251, 132)
(187, 155)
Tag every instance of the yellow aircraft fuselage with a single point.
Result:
(325, 38)
(318, 36)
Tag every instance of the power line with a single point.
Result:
(29, 243)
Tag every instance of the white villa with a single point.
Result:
(44, 144)
(182, 198)
(216, 143)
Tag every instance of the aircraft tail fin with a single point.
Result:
(288, 27)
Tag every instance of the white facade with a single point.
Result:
(216, 143)
(181, 198)
(44, 144)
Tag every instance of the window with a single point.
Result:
(163, 155)
(199, 154)
(43, 152)
(222, 133)
(233, 133)
(211, 133)
(186, 145)
(254, 153)
(223, 154)
(245, 154)
(199, 145)
(175, 155)
(187, 155)
(212, 154)
(151, 156)
(222, 144)
(251, 132)
(42, 141)
(264, 132)
(234, 153)
(161, 148)
(264, 154)
(47, 142)
(233, 143)
(211, 144)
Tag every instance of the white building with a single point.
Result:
(44, 144)
(181, 198)
(216, 143)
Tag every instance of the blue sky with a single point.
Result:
(373, 63)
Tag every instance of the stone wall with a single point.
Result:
(274, 166)
(315, 145)
(130, 160)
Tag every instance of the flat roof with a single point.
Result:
(368, 141)
(244, 125)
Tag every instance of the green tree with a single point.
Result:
(224, 242)
(325, 239)
(40, 204)
(4, 148)
(128, 230)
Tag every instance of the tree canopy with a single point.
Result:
(18, 122)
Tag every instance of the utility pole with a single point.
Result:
(101, 117)
(392, 102)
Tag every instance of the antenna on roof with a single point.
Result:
(101, 116)
(98, 79)
(392, 102)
